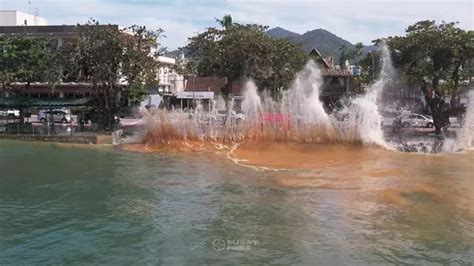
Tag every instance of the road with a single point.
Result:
(388, 121)
(129, 122)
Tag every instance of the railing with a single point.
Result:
(15, 127)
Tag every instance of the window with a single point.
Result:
(25, 22)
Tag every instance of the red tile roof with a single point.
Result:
(214, 84)
(205, 84)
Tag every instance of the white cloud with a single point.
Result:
(352, 20)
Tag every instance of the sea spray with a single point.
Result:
(363, 112)
(456, 139)
(466, 136)
(252, 103)
(303, 104)
(298, 115)
(302, 99)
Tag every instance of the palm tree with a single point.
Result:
(226, 22)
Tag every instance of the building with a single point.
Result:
(18, 18)
(170, 82)
(196, 88)
(42, 90)
(337, 82)
(205, 89)
(58, 32)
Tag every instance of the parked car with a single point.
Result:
(391, 111)
(10, 113)
(414, 120)
(59, 115)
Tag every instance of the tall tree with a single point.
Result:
(112, 61)
(344, 56)
(353, 55)
(370, 66)
(430, 53)
(244, 51)
(140, 62)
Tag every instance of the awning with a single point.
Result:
(195, 95)
(20, 102)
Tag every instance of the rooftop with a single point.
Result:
(17, 102)
(19, 18)
(42, 30)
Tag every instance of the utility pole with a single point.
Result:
(373, 64)
(193, 91)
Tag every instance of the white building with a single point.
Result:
(169, 81)
(18, 18)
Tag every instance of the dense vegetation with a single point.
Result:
(435, 57)
(234, 51)
(26, 59)
(110, 60)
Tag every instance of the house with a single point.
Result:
(199, 88)
(337, 82)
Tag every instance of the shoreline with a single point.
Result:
(95, 139)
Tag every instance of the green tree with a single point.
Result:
(27, 60)
(139, 61)
(430, 53)
(344, 56)
(226, 22)
(238, 51)
(370, 66)
(353, 55)
(112, 61)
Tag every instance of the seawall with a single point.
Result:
(80, 139)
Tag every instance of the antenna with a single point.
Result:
(29, 7)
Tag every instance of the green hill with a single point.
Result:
(326, 42)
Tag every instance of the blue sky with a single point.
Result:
(352, 20)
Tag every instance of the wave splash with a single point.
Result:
(298, 115)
